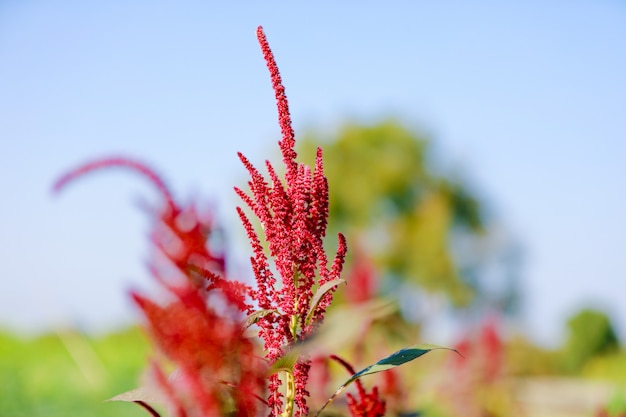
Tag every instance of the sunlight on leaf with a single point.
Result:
(322, 290)
(256, 316)
(140, 394)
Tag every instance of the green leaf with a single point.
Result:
(321, 291)
(255, 317)
(344, 326)
(395, 359)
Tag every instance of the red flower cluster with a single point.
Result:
(362, 278)
(475, 384)
(214, 361)
(367, 405)
(217, 371)
(293, 215)
(487, 352)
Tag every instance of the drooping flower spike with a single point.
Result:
(179, 234)
(199, 329)
(120, 162)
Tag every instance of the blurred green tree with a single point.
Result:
(590, 334)
(388, 198)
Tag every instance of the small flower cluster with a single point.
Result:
(368, 404)
(476, 383)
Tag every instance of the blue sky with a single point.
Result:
(526, 99)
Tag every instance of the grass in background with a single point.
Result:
(70, 374)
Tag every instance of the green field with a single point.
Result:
(67, 374)
(70, 374)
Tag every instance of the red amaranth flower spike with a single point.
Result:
(284, 118)
(176, 407)
(130, 164)
(293, 214)
(199, 330)
(179, 233)
(210, 351)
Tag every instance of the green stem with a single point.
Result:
(293, 326)
(290, 395)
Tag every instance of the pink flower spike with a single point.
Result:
(342, 249)
(288, 142)
(319, 216)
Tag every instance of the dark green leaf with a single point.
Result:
(396, 359)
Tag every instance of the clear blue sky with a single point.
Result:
(528, 99)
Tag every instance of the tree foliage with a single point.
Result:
(590, 333)
(387, 197)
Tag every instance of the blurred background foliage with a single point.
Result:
(387, 201)
(412, 226)
(69, 373)
(419, 223)
(590, 335)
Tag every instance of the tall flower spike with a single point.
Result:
(293, 216)
(284, 118)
